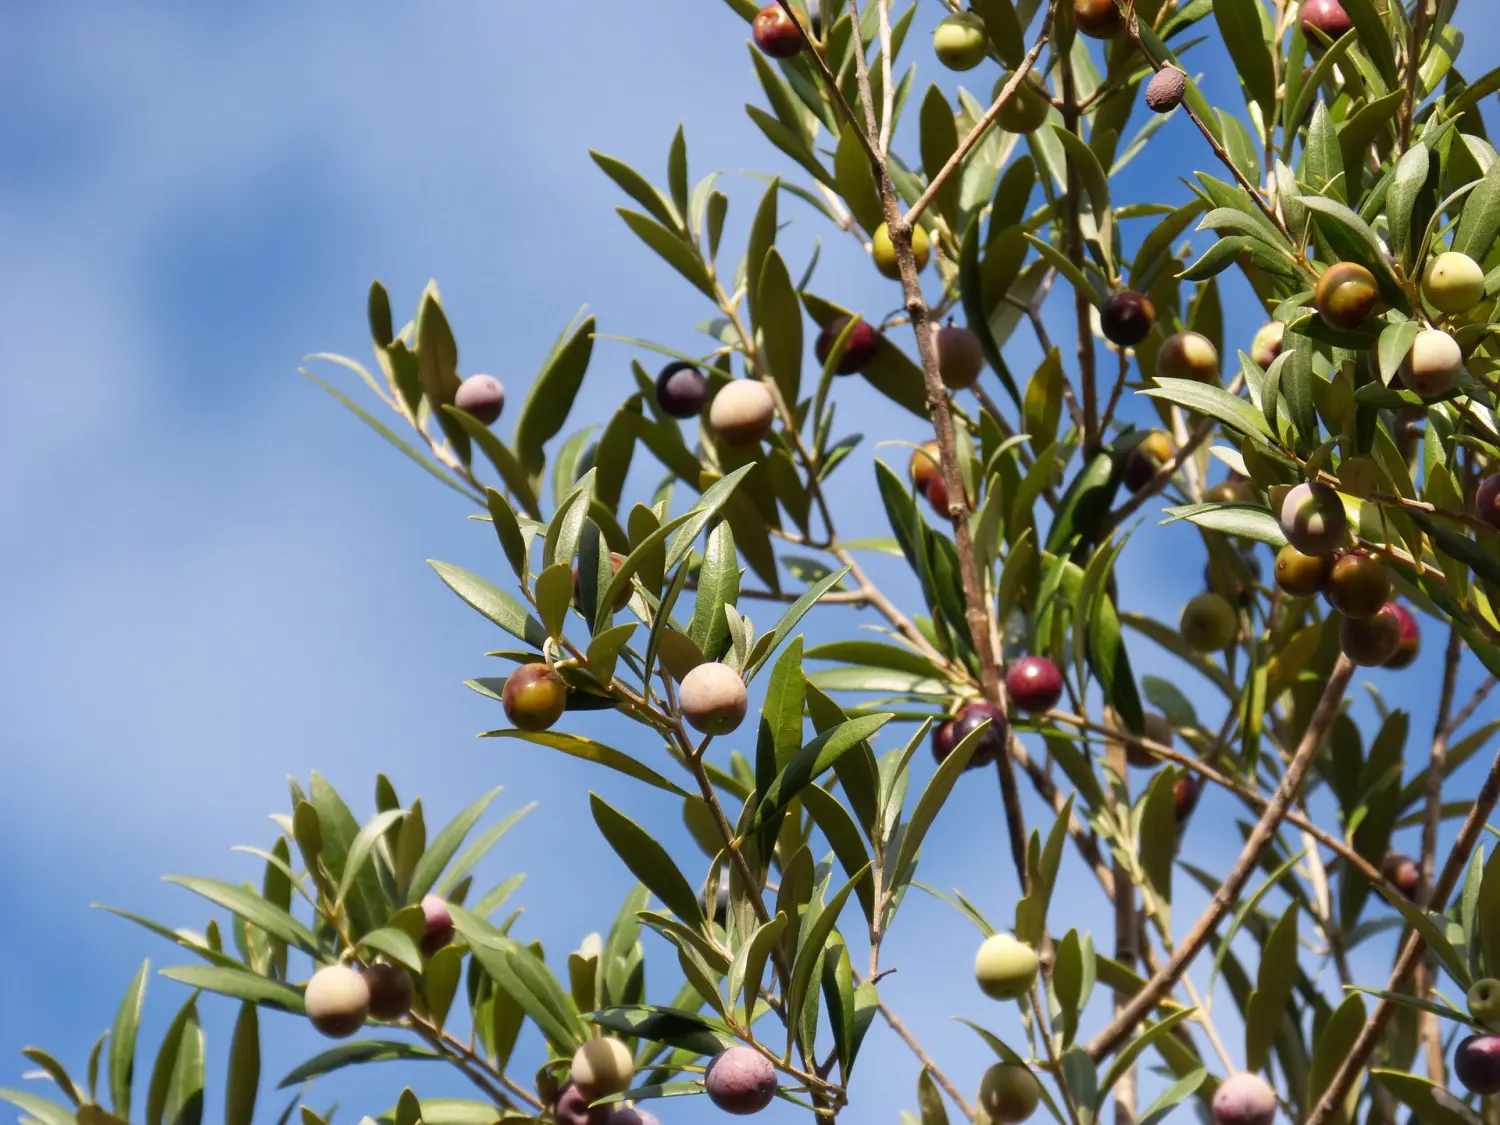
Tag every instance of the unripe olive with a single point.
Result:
(481, 396)
(390, 990)
(1128, 318)
(1346, 295)
(925, 465)
(959, 355)
(437, 924)
(534, 697)
(1098, 19)
(1301, 575)
(1234, 489)
(861, 347)
(1313, 519)
(681, 390)
(1009, 1093)
(1165, 91)
(1411, 639)
(1371, 641)
(740, 1080)
(602, 1067)
(1453, 283)
(337, 1000)
(960, 41)
(742, 412)
(1209, 623)
(884, 251)
(1487, 501)
(775, 33)
(1034, 684)
(1188, 355)
(572, 1108)
(1004, 967)
(1244, 1099)
(1027, 108)
(1434, 364)
(713, 698)
(1358, 585)
(1146, 459)
(1484, 999)
(1267, 343)
(1477, 1064)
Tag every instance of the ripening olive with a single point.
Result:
(1453, 283)
(482, 397)
(1371, 641)
(622, 599)
(1209, 623)
(1477, 1064)
(859, 349)
(572, 1108)
(1402, 872)
(742, 412)
(1346, 295)
(631, 1115)
(1434, 364)
(936, 491)
(437, 924)
(740, 1080)
(713, 698)
(1244, 1099)
(1301, 575)
(1411, 639)
(534, 697)
(1098, 19)
(1004, 967)
(681, 390)
(959, 355)
(1027, 108)
(1188, 355)
(1146, 459)
(1487, 501)
(775, 32)
(391, 990)
(1185, 793)
(1313, 518)
(337, 1000)
(960, 41)
(1009, 1093)
(925, 465)
(1267, 343)
(1165, 91)
(1128, 318)
(1034, 684)
(602, 1067)
(1158, 730)
(991, 742)
(884, 251)
(1358, 585)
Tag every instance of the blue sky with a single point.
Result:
(216, 577)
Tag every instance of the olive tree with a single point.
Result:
(1355, 197)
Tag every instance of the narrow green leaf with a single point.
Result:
(122, 1042)
(648, 861)
(243, 1082)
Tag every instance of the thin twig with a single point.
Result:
(1411, 953)
(1228, 894)
(895, 1024)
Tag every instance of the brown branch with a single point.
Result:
(1432, 1038)
(976, 607)
(1411, 952)
(982, 126)
(895, 1024)
(1088, 376)
(1466, 712)
(1228, 894)
(1160, 481)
